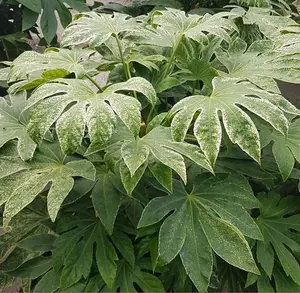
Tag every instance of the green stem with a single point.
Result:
(126, 69)
(194, 86)
(94, 82)
(171, 61)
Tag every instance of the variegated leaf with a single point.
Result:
(97, 111)
(95, 29)
(227, 97)
(13, 125)
(199, 222)
(47, 167)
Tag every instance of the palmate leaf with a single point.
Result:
(95, 29)
(173, 25)
(128, 276)
(246, 64)
(13, 125)
(157, 151)
(47, 167)
(286, 149)
(227, 95)
(276, 225)
(73, 252)
(193, 60)
(31, 64)
(211, 217)
(97, 111)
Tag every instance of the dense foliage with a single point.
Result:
(180, 173)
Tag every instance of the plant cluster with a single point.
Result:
(178, 174)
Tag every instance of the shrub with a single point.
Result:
(175, 175)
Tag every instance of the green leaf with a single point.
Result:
(198, 219)
(29, 18)
(47, 166)
(33, 268)
(13, 125)
(106, 200)
(276, 226)
(50, 101)
(95, 29)
(124, 245)
(238, 125)
(38, 242)
(285, 148)
(128, 276)
(34, 5)
(48, 283)
(74, 252)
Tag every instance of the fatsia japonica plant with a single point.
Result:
(153, 153)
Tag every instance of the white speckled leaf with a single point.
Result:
(31, 63)
(228, 94)
(137, 84)
(13, 125)
(174, 24)
(46, 167)
(84, 107)
(197, 223)
(246, 64)
(134, 153)
(95, 29)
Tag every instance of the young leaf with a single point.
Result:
(202, 225)
(238, 125)
(276, 228)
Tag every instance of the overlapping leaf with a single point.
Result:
(286, 149)
(211, 217)
(13, 125)
(88, 108)
(173, 25)
(158, 152)
(95, 29)
(277, 222)
(227, 97)
(47, 168)
(31, 64)
(246, 64)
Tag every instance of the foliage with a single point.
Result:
(179, 173)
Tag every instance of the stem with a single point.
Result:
(94, 82)
(126, 69)
(194, 86)
(170, 63)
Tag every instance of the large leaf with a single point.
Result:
(95, 29)
(32, 64)
(227, 97)
(47, 166)
(276, 225)
(246, 64)
(52, 99)
(211, 217)
(13, 125)
(172, 25)
(285, 149)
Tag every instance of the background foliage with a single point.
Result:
(181, 173)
